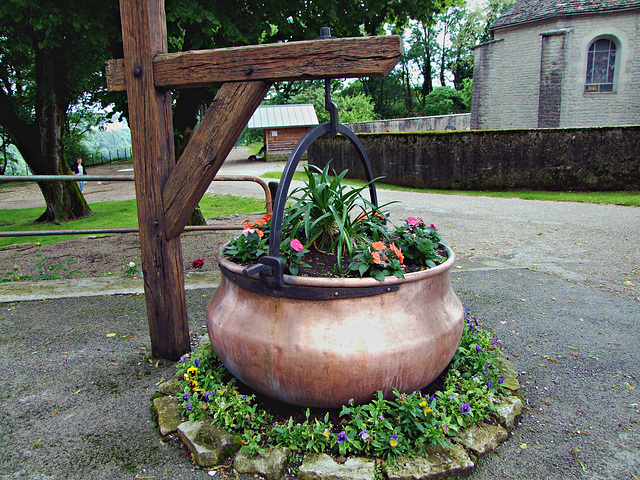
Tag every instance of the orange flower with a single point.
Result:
(248, 226)
(377, 246)
(259, 232)
(246, 220)
(397, 251)
(261, 222)
(267, 217)
(376, 257)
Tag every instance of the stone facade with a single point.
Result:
(533, 73)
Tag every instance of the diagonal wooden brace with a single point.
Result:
(212, 141)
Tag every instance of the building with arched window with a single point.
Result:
(553, 64)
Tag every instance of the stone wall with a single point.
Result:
(540, 68)
(543, 159)
(414, 124)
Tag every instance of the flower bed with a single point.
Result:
(466, 393)
(330, 229)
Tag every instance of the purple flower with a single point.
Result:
(183, 359)
(465, 409)
(196, 362)
(207, 396)
(342, 437)
(432, 398)
(479, 348)
(364, 435)
(501, 381)
(485, 371)
(393, 440)
(489, 384)
(189, 406)
(494, 341)
(381, 417)
(186, 397)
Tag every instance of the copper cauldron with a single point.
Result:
(321, 342)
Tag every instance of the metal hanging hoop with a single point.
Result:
(271, 267)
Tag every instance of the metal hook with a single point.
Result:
(332, 108)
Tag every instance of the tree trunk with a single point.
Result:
(64, 200)
(427, 82)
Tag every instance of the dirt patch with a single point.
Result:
(109, 255)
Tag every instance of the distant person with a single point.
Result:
(80, 170)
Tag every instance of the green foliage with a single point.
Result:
(131, 268)
(44, 269)
(352, 106)
(418, 242)
(383, 428)
(325, 213)
(443, 101)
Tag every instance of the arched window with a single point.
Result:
(601, 62)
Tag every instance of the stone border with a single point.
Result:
(211, 446)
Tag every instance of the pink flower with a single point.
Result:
(412, 221)
(433, 226)
(296, 245)
(197, 263)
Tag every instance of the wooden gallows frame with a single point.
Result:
(167, 194)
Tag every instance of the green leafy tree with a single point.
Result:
(51, 54)
(443, 101)
(464, 37)
(492, 10)
(387, 94)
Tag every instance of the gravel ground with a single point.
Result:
(74, 400)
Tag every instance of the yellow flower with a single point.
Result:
(423, 403)
(326, 433)
(426, 410)
(192, 371)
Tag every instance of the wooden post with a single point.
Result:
(150, 119)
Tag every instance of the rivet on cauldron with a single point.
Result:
(388, 289)
(335, 294)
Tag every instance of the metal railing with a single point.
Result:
(120, 178)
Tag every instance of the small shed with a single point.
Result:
(283, 126)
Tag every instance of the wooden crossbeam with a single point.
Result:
(306, 60)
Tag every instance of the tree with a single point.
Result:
(493, 9)
(463, 39)
(51, 53)
(443, 101)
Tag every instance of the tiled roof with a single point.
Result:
(277, 116)
(526, 11)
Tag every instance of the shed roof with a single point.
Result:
(272, 116)
(527, 11)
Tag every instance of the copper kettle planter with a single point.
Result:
(323, 342)
(345, 345)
